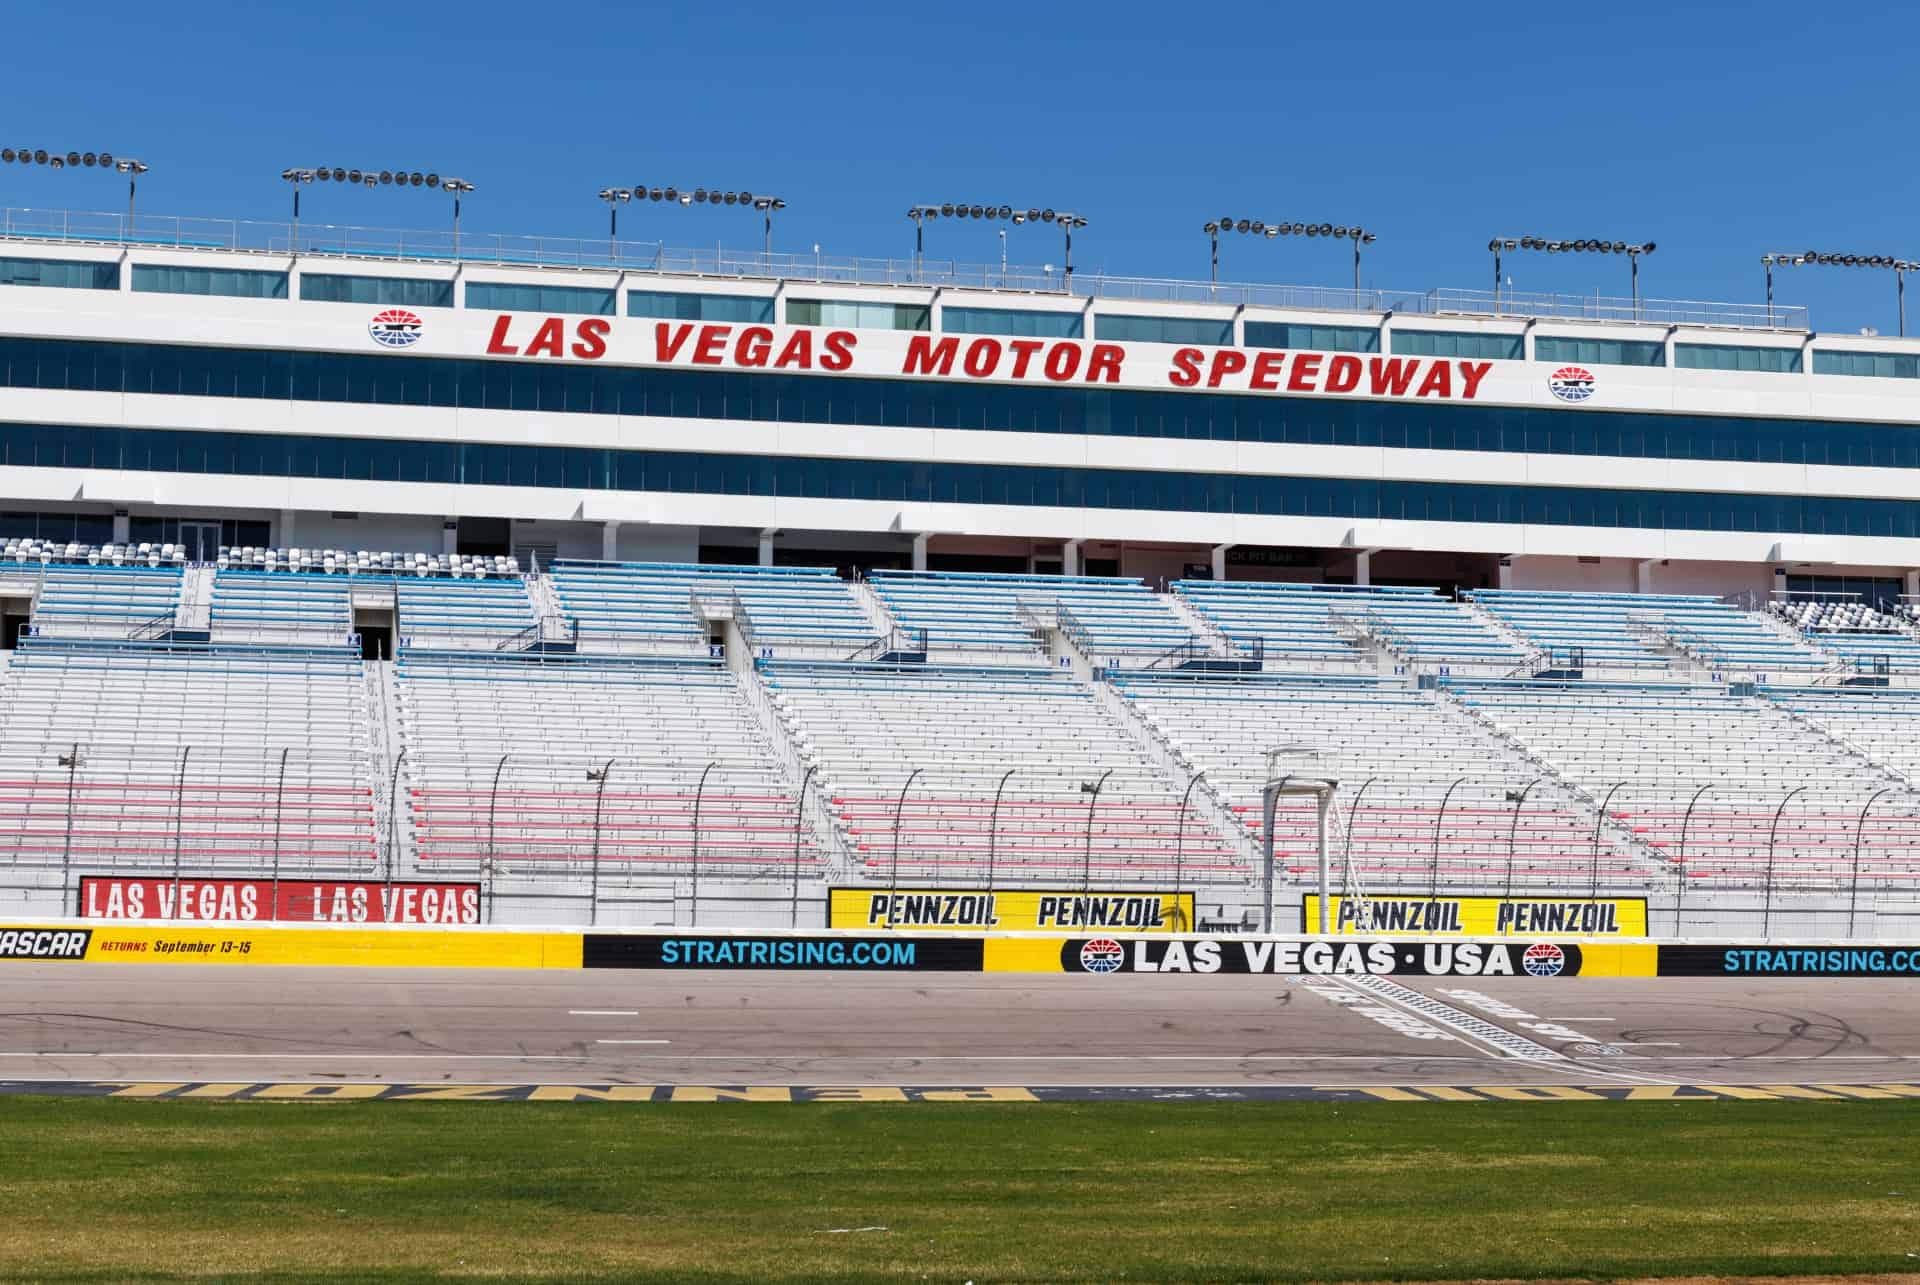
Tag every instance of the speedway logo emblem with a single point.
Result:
(395, 328)
(1571, 383)
(1544, 959)
(1102, 955)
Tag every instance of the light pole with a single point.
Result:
(993, 823)
(1773, 833)
(1593, 885)
(1092, 790)
(1900, 269)
(1859, 832)
(393, 813)
(1257, 227)
(1519, 800)
(279, 806)
(1686, 822)
(893, 879)
(799, 811)
(459, 187)
(1506, 245)
(127, 165)
(1433, 894)
(493, 803)
(179, 823)
(1180, 835)
(693, 859)
(614, 197)
(297, 178)
(599, 777)
(71, 762)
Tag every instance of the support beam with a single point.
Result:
(284, 536)
(1070, 558)
(1503, 574)
(766, 546)
(1220, 561)
(1913, 584)
(1363, 566)
(610, 541)
(123, 525)
(920, 550)
(450, 536)
(1643, 575)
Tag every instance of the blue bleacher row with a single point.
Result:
(1116, 621)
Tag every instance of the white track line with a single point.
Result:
(603, 1012)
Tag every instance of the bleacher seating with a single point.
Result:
(1412, 755)
(1645, 630)
(259, 606)
(946, 735)
(1854, 632)
(1110, 616)
(48, 552)
(1309, 623)
(134, 709)
(104, 601)
(346, 562)
(659, 722)
(647, 605)
(1667, 742)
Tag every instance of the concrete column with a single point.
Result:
(1912, 578)
(1643, 575)
(920, 550)
(610, 541)
(1070, 558)
(450, 536)
(122, 526)
(1363, 567)
(283, 535)
(1220, 561)
(1503, 575)
(766, 547)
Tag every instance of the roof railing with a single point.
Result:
(343, 241)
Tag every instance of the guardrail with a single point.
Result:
(324, 240)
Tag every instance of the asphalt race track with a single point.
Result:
(227, 1026)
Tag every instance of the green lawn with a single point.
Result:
(141, 1190)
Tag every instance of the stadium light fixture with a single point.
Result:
(371, 178)
(1257, 227)
(1507, 245)
(686, 198)
(922, 214)
(127, 165)
(1823, 259)
(614, 197)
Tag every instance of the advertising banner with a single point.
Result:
(784, 953)
(1017, 910)
(299, 900)
(1233, 955)
(1529, 916)
(1790, 961)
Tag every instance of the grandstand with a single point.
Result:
(967, 729)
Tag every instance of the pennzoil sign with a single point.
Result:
(1021, 910)
(1482, 916)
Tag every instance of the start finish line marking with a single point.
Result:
(332, 1091)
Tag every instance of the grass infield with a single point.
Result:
(103, 1190)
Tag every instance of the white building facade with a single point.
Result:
(219, 396)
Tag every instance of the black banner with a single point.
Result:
(49, 944)
(878, 954)
(1316, 958)
(1789, 961)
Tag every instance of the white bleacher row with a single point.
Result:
(929, 746)
(314, 608)
(103, 602)
(1316, 625)
(647, 606)
(658, 722)
(980, 612)
(137, 712)
(1882, 723)
(260, 558)
(1629, 631)
(1424, 799)
(1735, 762)
(1853, 631)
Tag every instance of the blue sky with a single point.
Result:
(1716, 130)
